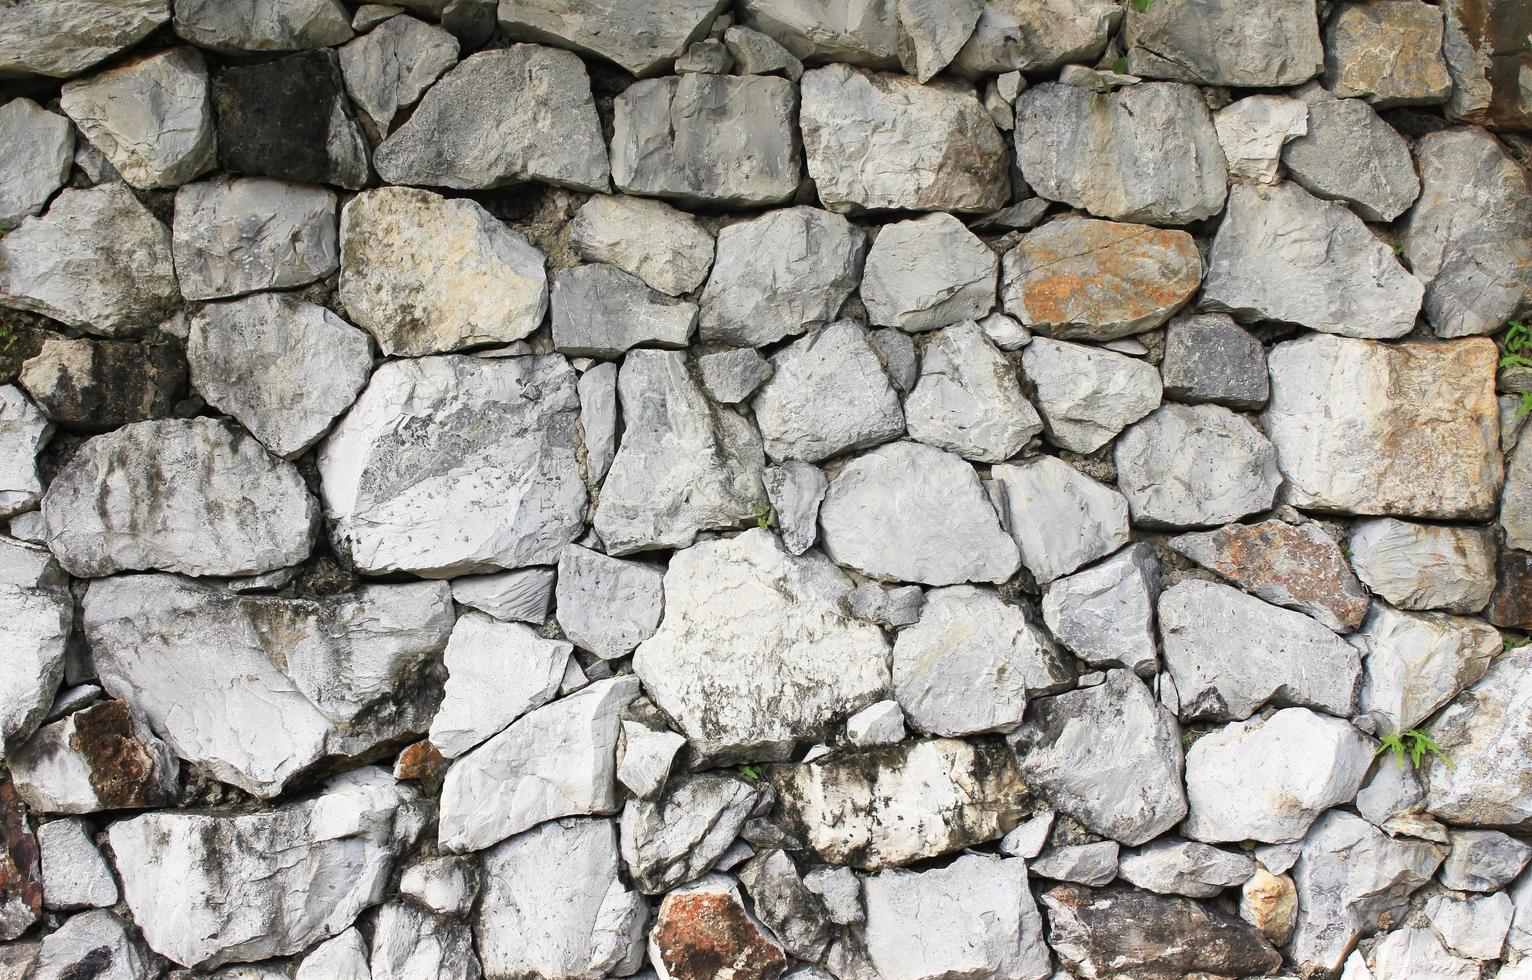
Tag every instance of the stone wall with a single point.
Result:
(871, 489)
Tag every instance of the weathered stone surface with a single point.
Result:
(1085, 864)
(388, 68)
(1253, 130)
(1417, 662)
(646, 757)
(1087, 395)
(35, 636)
(557, 761)
(1415, 951)
(262, 25)
(643, 38)
(780, 274)
(755, 53)
(601, 311)
(1485, 57)
(796, 489)
(967, 399)
(1467, 235)
(230, 508)
(290, 118)
(23, 433)
(1351, 878)
(97, 261)
(1195, 465)
(1269, 901)
(1124, 933)
(60, 38)
(1350, 154)
(295, 680)
(36, 154)
(410, 943)
(496, 672)
(342, 957)
(1059, 518)
(891, 606)
(885, 142)
(969, 640)
(1014, 35)
(1069, 139)
(896, 349)
(685, 465)
(909, 512)
(606, 605)
(1483, 861)
(208, 890)
(499, 117)
(1483, 732)
(1210, 43)
(931, 33)
(103, 757)
(1425, 566)
(733, 375)
(240, 235)
(75, 875)
(704, 929)
(1230, 653)
(21, 875)
(1210, 358)
(1283, 254)
(799, 917)
(480, 451)
(1389, 54)
(677, 837)
(1179, 867)
(1428, 450)
(570, 865)
(659, 244)
(447, 885)
(90, 384)
(712, 140)
(283, 367)
(1293, 565)
(926, 273)
(878, 724)
(597, 389)
(835, 30)
(1105, 614)
(1267, 779)
(707, 56)
(885, 807)
(98, 944)
(520, 596)
(425, 274)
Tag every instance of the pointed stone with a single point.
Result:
(103, 757)
(36, 156)
(606, 605)
(1088, 395)
(967, 398)
(496, 672)
(1482, 732)
(643, 38)
(663, 246)
(1105, 614)
(389, 67)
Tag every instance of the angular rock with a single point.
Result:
(1483, 861)
(909, 512)
(290, 119)
(1294, 565)
(231, 508)
(35, 636)
(896, 349)
(1484, 55)
(733, 375)
(1283, 254)
(343, 957)
(606, 605)
(1210, 358)
(496, 672)
(1195, 465)
(97, 944)
(879, 142)
(36, 154)
(1105, 614)
(1015, 35)
(250, 233)
(1253, 130)
(570, 865)
(60, 38)
(100, 758)
(481, 451)
(709, 140)
(21, 875)
(208, 890)
(524, 595)
(23, 433)
(501, 117)
(97, 261)
(1060, 518)
(646, 758)
(926, 273)
(1069, 139)
(1516, 500)
(885, 605)
(1389, 54)
(798, 916)
(836, 30)
(447, 885)
(780, 274)
(1267, 779)
(557, 761)
(685, 465)
(967, 399)
(796, 489)
(643, 38)
(601, 311)
(1086, 864)
(1428, 450)
(677, 837)
(1208, 43)
(1482, 732)
(597, 389)
(931, 33)
(1350, 154)
(389, 67)
(880, 724)
(708, 56)
(1004, 332)
(1417, 662)
(885, 807)
(1088, 395)
(1180, 867)
(659, 244)
(704, 929)
(262, 25)
(1417, 952)
(755, 53)
(75, 875)
(410, 943)
(83, 383)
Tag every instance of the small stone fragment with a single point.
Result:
(447, 885)
(245, 234)
(97, 944)
(262, 25)
(524, 595)
(731, 376)
(796, 489)
(1481, 732)
(103, 757)
(643, 38)
(1060, 518)
(496, 672)
(646, 758)
(1209, 43)
(926, 273)
(1253, 130)
(1417, 662)
(1195, 465)
(878, 724)
(1389, 54)
(601, 311)
(887, 606)
(1210, 358)
(21, 875)
(703, 930)
(388, 68)
(410, 943)
(676, 837)
(708, 56)
(36, 153)
(1088, 395)
(967, 399)
(343, 957)
(61, 38)
(75, 875)
(597, 389)
(1105, 614)
(1350, 154)
(1269, 901)
(606, 605)
(1004, 332)
(661, 245)
(1085, 864)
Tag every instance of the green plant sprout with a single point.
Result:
(1517, 339)
(1142, 6)
(751, 773)
(763, 519)
(1120, 66)
(1509, 643)
(1416, 742)
(1525, 406)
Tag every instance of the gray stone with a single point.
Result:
(1236, 775)
(1180, 867)
(262, 25)
(97, 261)
(496, 672)
(1105, 614)
(1483, 861)
(1417, 662)
(926, 273)
(641, 37)
(597, 388)
(1085, 864)
(601, 311)
(283, 367)
(1211, 43)
(780, 274)
(447, 885)
(1069, 141)
(659, 244)
(103, 757)
(896, 349)
(61, 38)
(646, 758)
(931, 32)
(23, 433)
(1389, 54)
(731, 376)
(885, 605)
(685, 465)
(829, 30)
(1482, 732)
(708, 56)
(967, 399)
(1195, 465)
(410, 943)
(425, 274)
(98, 944)
(751, 670)
(36, 154)
(75, 875)
(343, 957)
(877, 724)
(796, 489)
(1429, 450)
(677, 837)
(760, 54)
(1475, 928)
(35, 636)
(1109, 756)
(1004, 332)
(1027, 840)
(794, 913)
(249, 233)
(481, 451)
(95, 385)
(840, 890)
(879, 142)
(1253, 130)
(909, 512)
(1350, 154)
(1210, 358)
(1516, 500)
(500, 117)
(1393, 791)
(1060, 518)
(709, 140)
(389, 67)
(1088, 395)
(524, 595)
(1016, 35)
(607, 605)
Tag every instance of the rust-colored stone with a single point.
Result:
(1488, 55)
(1510, 605)
(422, 763)
(123, 771)
(706, 934)
(21, 870)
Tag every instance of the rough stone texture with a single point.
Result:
(1085, 864)
(93, 384)
(1210, 358)
(1485, 52)
(606, 605)
(1417, 662)
(238, 236)
(1389, 54)
(678, 836)
(967, 399)
(1060, 518)
(388, 68)
(517, 113)
(837, 30)
(411, 943)
(1105, 614)
(1481, 732)
(103, 757)
(24, 431)
(36, 154)
(704, 929)
(21, 893)
(1069, 139)
(1252, 132)
(1195, 465)
(1178, 867)
(659, 244)
(425, 274)
(1283, 254)
(1350, 154)
(601, 311)
(1212, 43)
(643, 38)
(75, 875)
(1014, 35)
(480, 451)
(520, 596)
(880, 142)
(1509, 605)
(1088, 395)
(796, 489)
(496, 672)
(927, 273)
(733, 375)
(712, 140)
(1483, 861)
(1428, 450)
(262, 25)
(932, 33)
(99, 944)
(59, 38)
(35, 635)
(755, 53)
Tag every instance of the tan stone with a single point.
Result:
(1270, 903)
(1388, 52)
(705, 932)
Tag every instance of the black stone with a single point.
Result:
(1510, 605)
(95, 385)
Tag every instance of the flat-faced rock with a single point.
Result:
(60, 38)
(1179, 867)
(1509, 605)
(663, 246)
(709, 140)
(75, 875)
(496, 672)
(1253, 130)
(84, 383)
(500, 117)
(1350, 154)
(1210, 358)
(24, 430)
(240, 235)
(341, 957)
(97, 260)
(389, 67)
(967, 399)
(1293, 565)
(1085, 864)
(425, 274)
(1283, 254)
(926, 273)
(522, 596)
(780, 274)
(1105, 614)
(910, 512)
(1060, 518)
(1389, 54)
(704, 929)
(448, 885)
(597, 389)
(796, 489)
(35, 637)
(830, 30)
(1428, 450)
(294, 680)
(1016, 35)
(103, 757)
(755, 53)
(685, 464)
(607, 605)
(36, 155)
(1481, 732)
(1210, 43)
(1483, 55)
(1516, 499)
(734, 374)
(1088, 395)
(930, 33)
(797, 915)
(1195, 465)
(230, 509)
(878, 142)
(1483, 861)
(262, 25)
(680, 834)
(601, 311)
(1069, 139)
(641, 37)
(1417, 662)
(412, 943)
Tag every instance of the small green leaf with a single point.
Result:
(1421, 743)
(1509, 643)
(1391, 743)
(1514, 360)
(751, 773)
(1526, 405)
(1120, 66)
(1142, 6)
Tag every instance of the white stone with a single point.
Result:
(1425, 566)
(796, 489)
(103, 757)
(1483, 732)
(524, 595)
(410, 943)
(60, 39)
(1417, 662)
(663, 246)
(928, 272)
(1060, 518)
(1411, 952)
(1195, 466)
(389, 67)
(1105, 614)
(75, 875)
(98, 944)
(343, 957)
(242, 234)
(967, 399)
(646, 758)
(1178, 867)
(496, 672)
(33, 641)
(681, 833)
(607, 605)
(877, 724)
(1027, 840)
(447, 885)
(36, 155)
(23, 433)
(1087, 395)
(1253, 130)
(1483, 860)
(1473, 927)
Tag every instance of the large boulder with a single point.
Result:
(642, 37)
(1208, 42)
